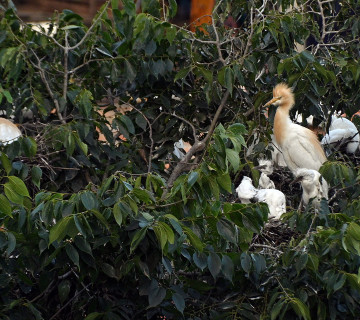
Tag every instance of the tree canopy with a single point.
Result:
(103, 216)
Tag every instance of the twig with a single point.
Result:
(258, 245)
(197, 146)
(67, 303)
(66, 68)
(150, 136)
(47, 85)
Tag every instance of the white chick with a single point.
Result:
(275, 199)
(314, 186)
(342, 129)
(246, 191)
(9, 132)
(266, 167)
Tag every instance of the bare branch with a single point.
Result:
(47, 85)
(150, 135)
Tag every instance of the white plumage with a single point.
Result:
(275, 199)
(9, 132)
(267, 168)
(313, 185)
(246, 191)
(276, 154)
(342, 129)
(299, 145)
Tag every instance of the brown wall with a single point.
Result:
(41, 10)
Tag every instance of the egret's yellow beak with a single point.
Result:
(273, 100)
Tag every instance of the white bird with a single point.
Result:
(313, 185)
(266, 167)
(299, 145)
(342, 129)
(276, 154)
(9, 132)
(246, 191)
(275, 199)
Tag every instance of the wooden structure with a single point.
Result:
(193, 12)
(41, 10)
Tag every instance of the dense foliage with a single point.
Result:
(100, 219)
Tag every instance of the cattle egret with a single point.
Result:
(246, 191)
(9, 132)
(341, 131)
(276, 154)
(275, 199)
(299, 145)
(266, 167)
(313, 185)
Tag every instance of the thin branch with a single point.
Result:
(197, 146)
(47, 85)
(66, 68)
(91, 28)
(150, 135)
(67, 303)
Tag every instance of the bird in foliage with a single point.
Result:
(313, 184)
(246, 191)
(342, 132)
(267, 168)
(9, 132)
(275, 199)
(299, 145)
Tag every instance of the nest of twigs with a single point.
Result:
(274, 235)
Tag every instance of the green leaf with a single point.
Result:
(233, 158)
(138, 237)
(214, 264)
(12, 195)
(11, 243)
(84, 101)
(79, 226)
(227, 267)
(200, 259)
(225, 182)
(89, 200)
(160, 234)
(93, 316)
(5, 207)
(64, 290)
(275, 311)
(246, 263)
(179, 301)
(129, 7)
(117, 213)
(58, 231)
(18, 186)
(72, 254)
(227, 230)
(193, 176)
(129, 70)
(109, 270)
(8, 96)
(156, 294)
(193, 238)
(172, 10)
(300, 308)
(114, 4)
(182, 74)
(128, 124)
(6, 163)
(36, 174)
